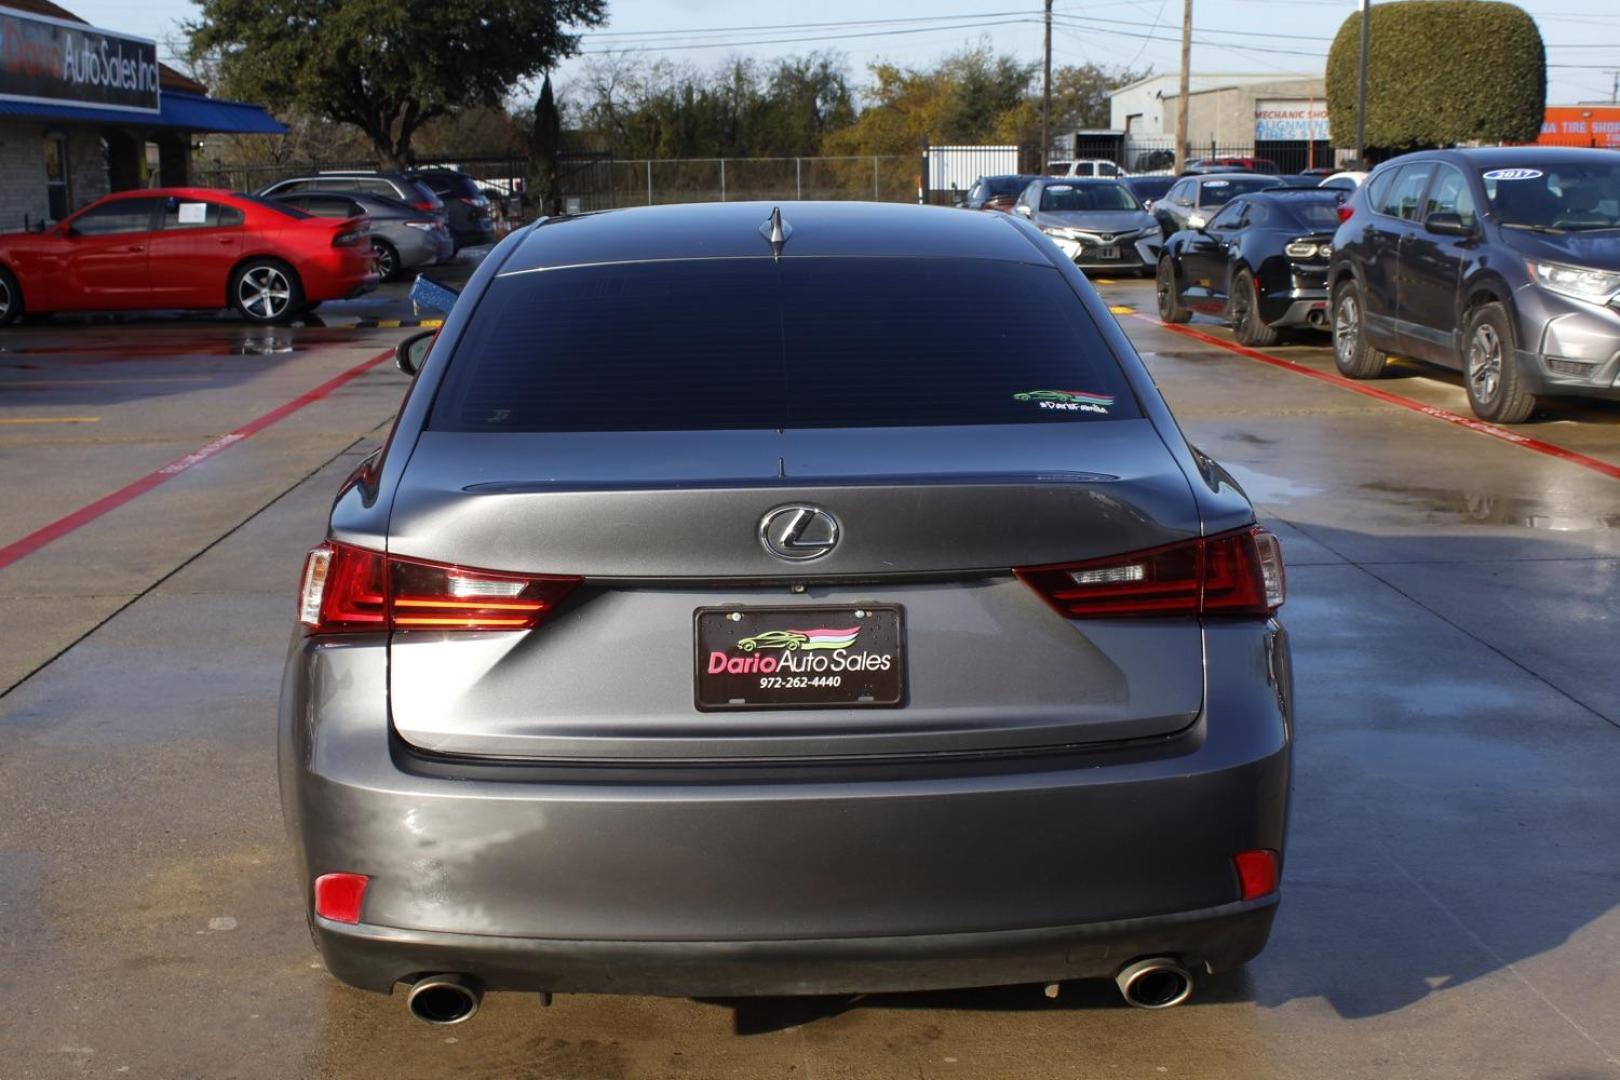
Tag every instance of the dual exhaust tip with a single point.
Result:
(1155, 983)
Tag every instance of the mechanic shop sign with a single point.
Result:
(54, 61)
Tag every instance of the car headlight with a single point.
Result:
(1058, 231)
(1577, 281)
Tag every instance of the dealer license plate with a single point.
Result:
(800, 657)
(1104, 253)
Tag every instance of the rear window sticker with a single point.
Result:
(1068, 400)
(1217, 183)
(193, 213)
(1514, 174)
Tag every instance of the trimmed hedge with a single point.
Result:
(1440, 72)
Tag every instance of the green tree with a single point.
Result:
(545, 140)
(963, 99)
(1440, 72)
(386, 66)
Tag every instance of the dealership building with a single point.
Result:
(86, 110)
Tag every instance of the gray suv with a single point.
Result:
(1503, 263)
(808, 602)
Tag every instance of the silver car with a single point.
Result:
(785, 602)
(405, 238)
(1098, 224)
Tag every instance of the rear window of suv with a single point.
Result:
(807, 343)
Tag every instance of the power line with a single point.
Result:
(735, 44)
(700, 31)
(1197, 41)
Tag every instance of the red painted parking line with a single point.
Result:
(1469, 422)
(85, 514)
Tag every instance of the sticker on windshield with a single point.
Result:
(1060, 187)
(1217, 183)
(193, 213)
(1068, 400)
(1513, 174)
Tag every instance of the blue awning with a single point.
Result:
(185, 112)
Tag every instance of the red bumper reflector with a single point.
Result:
(338, 896)
(1257, 872)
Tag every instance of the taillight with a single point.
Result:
(339, 897)
(1345, 212)
(349, 589)
(1235, 573)
(1307, 249)
(351, 238)
(1257, 872)
(425, 205)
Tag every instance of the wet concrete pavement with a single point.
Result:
(1452, 895)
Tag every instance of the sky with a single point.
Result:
(1582, 36)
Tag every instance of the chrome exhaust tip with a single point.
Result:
(1155, 983)
(444, 999)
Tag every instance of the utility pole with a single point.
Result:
(1361, 88)
(1186, 85)
(1046, 94)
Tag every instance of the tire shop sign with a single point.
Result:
(1287, 120)
(54, 61)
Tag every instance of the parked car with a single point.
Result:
(1194, 199)
(470, 220)
(390, 185)
(1085, 167)
(1097, 224)
(404, 237)
(1149, 189)
(1206, 166)
(168, 248)
(1345, 181)
(1260, 264)
(1038, 725)
(1502, 263)
(1321, 172)
(996, 192)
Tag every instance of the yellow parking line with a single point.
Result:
(1104, 281)
(1121, 309)
(53, 420)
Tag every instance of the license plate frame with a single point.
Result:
(861, 681)
(1109, 251)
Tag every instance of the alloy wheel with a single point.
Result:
(1485, 362)
(1162, 288)
(1346, 329)
(264, 292)
(5, 299)
(1240, 306)
(385, 262)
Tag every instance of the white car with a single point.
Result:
(1085, 167)
(1347, 180)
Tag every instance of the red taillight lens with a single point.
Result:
(348, 239)
(1345, 212)
(338, 896)
(425, 205)
(1236, 573)
(347, 589)
(1257, 872)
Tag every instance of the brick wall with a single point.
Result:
(22, 170)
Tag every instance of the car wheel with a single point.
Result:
(1351, 353)
(266, 291)
(1164, 286)
(1496, 387)
(387, 259)
(11, 305)
(1243, 307)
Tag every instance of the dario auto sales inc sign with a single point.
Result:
(53, 61)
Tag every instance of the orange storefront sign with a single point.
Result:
(1581, 125)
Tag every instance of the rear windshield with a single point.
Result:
(270, 204)
(1571, 196)
(1222, 191)
(1079, 197)
(1318, 213)
(806, 343)
(1005, 185)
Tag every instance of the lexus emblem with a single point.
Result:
(798, 533)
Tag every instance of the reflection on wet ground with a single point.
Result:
(1573, 513)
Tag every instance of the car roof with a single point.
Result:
(733, 230)
(1511, 156)
(1082, 181)
(168, 192)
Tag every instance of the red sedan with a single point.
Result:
(162, 248)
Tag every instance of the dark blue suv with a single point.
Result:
(1503, 263)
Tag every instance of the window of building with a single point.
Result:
(58, 196)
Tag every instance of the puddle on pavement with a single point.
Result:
(1573, 513)
(1269, 488)
(271, 343)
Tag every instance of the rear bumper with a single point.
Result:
(730, 878)
(1213, 939)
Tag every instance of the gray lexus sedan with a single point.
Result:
(808, 601)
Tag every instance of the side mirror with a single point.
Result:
(1446, 224)
(63, 229)
(1023, 208)
(410, 353)
(1196, 221)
